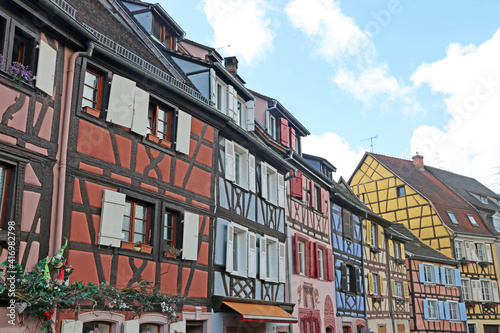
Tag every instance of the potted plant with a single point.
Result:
(470, 304)
(152, 137)
(483, 264)
(21, 74)
(464, 262)
(171, 252)
(144, 247)
(128, 245)
(490, 305)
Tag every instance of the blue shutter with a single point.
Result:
(421, 272)
(443, 276)
(463, 311)
(426, 307)
(436, 274)
(446, 310)
(458, 278)
(441, 312)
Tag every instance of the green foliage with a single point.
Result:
(44, 288)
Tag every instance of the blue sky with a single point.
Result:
(420, 75)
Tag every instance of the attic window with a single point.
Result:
(496, 221)
(472, 220)
(160, 32)
(452, 217)
(401, 191)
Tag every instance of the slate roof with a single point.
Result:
(419, 250)
(441, 196)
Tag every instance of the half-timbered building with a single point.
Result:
(434, 288)
(407, 192)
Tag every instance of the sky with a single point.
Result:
(396, 77)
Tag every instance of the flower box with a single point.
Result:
(374, 249)
(146, 248)
(128, 245)
(153, 138)
(165, 143)
(91, 111)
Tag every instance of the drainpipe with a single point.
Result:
(363, 271)
(63, 146)
(389, 284)
(289, 269)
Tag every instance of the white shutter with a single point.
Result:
(183, 139)
(251, 115)
(252, 255)
(282, 263)
(489, 257)
(469, 250)
(281, 190)
(477, 294)
(71, 326)
(190, 236)
(230, 171)
(113, 208)
(263, 179)
(268, 120)
(46, 68)
(177, 327)
(229, 247)
(140, 116)
(130, 326)
(494, 291)
(231, 105)
(473, 251)
(251, 172)
(121, 101)
(263, 258)
(213, 87)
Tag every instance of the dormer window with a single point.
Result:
(496, 221)
(159, 31)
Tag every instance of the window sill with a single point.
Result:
(374, 249)
(91, 111)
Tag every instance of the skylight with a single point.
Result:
(452, 217)
(472, 220)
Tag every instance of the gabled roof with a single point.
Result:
(466, 187)
(419, 250)
(288, 116)
(441, 197)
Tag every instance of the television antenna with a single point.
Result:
(371, 141)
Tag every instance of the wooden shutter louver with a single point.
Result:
(251, 115)
(329, 262)
(293, 138)
(281, 263)
(312, 260)
(344, 277)
(252, 255)
(113, 209)
(229, 172)
(251, 172)
(297, 185)
(347, 224)
(370, 283)
(297, 256)
(263, 258)
(324, 200)
(229, 247)
(281, 190)
(368, 232)
(46, 68)
(263, 180)
(284, 132)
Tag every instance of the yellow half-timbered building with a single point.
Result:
(406, 192)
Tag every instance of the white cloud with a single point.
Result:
(338, 35)
(336, 150)
(243, 25)
(469, 77)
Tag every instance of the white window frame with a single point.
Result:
(398, 286)
(239, 250)
(271, 259)
(302, 256)
(480, 252)
(375, 282)
(271, 127)
(472, 324)
(374, 233)
(486, 290)
(454, 311)
(466, 289)
(220, 99)
(271, 183)
(459, 250)
(433, 306)
(449, 276)
(321, 265)
(432, 277)
(241, 111)
(241, 173)
(472, 220)
(495, 219)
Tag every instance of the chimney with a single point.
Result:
(418, 160)
(231, 64)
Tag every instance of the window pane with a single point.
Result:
(125, 236)
(140, 212)
(139, 238)
(140, 226)
(91, 79)
(128, 208)
(126, 223)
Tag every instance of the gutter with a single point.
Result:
(363, 270)
(289, 278)
(389, 284)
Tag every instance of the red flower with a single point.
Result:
(51, 312)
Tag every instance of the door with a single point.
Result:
(491, 329)
(382, 329)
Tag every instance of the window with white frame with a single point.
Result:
(480, 252)
(220, 97)
(302, 257)
(429, 274)
(454, 310)
(237, 250)
(398, 286)
(485, 290)
(269, 258)
(241, 115)
(472, 220)
(466, 291)
(321, 264)
(459, 250)
(374, 234)
(272, 185)
(496, 221)
(449, 276)
(376, 284)
(433, 309)
(240, 166)
(271, 126)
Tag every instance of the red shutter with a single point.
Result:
(311, 193)
(297, 263)
(323, 200)
(297, 185)
(312, 259)
(292, 139)
(329, 260)
(284, 132)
